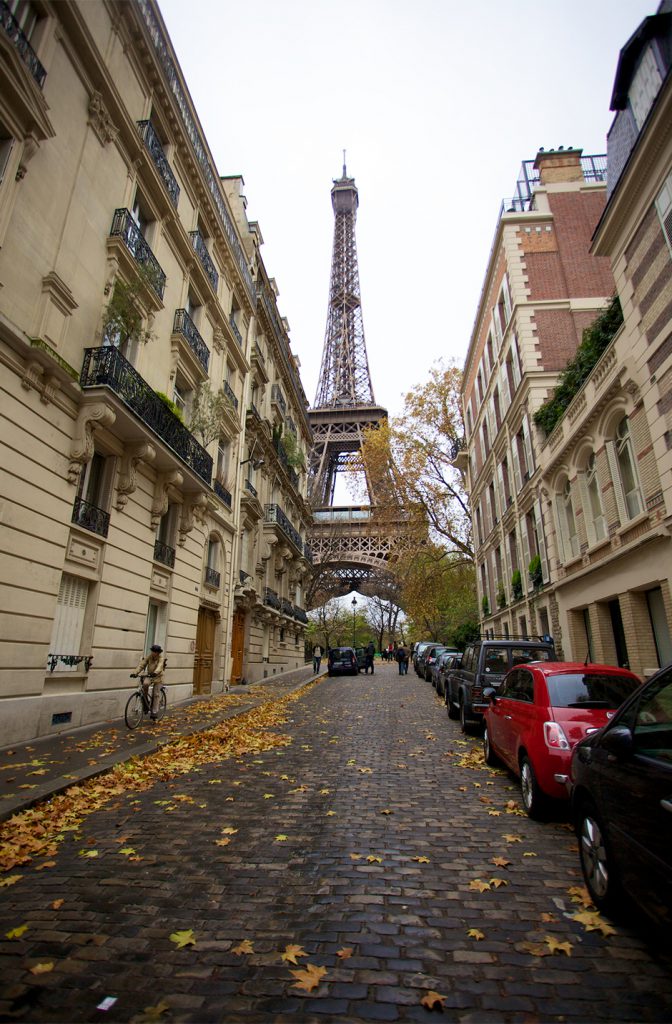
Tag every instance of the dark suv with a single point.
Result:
(485, 663)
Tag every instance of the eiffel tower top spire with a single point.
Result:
(345, 380)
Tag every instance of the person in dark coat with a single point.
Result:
(370, 655)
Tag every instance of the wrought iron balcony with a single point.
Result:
(458, 445)
(254, 412)
(107, 367)
(308, 553)
(271, 598)
(184, 325)
(204, 256)
(228, 391)
(236, 330)
(123, 226)
(300, 615)
(90, 517)
(212, 577)
(279, 399)
(21, 44)
(256, 354)
(221, 491)
(274, 514)
(287, 607)
(153, 144)
(164, 553)
(71, 661)
(249, 486)
(291, 426)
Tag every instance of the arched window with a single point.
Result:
(595, 499)
(570, 519)
(627, 470)
(213, 563)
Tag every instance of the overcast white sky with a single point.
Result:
(437, 103)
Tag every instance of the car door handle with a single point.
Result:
(666, 805)
(507, 718)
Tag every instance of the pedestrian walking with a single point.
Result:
(152, 667)
(317, 658)
(369, 656)
(402, 659)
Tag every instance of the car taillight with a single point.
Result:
(555, 737)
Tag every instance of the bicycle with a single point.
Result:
(140, 703)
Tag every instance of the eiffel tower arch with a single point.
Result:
(353, 548)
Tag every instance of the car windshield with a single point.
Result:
(524, 655)
(589, 689)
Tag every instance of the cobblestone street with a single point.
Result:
(374, 842)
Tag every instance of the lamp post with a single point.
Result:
(354, 634)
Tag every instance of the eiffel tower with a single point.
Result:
(350, 548)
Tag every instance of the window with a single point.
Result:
(571, 536)
(141, 214)
(212, 570)
(653, 733)
(223, 461)
(183, 396)
(6, 144)
(25, 15)
(66, 635)
(93, 495)
(156, 625)
(627, 470)
(645, 86)
(164, 544)
(664, 208)
(595, 499)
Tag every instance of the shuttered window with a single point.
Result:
(69, 620)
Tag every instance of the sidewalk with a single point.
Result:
(32, 772)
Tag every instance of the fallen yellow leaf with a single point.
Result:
(345, 953)
(558, 947)
(243, 947)
(474, 933)
(10, 880)
(281, 838)
(291, 952)
(478, 885)
(421, 860)
(16, 933)
(42, 968)
(309, 977)
(183, 938)
(433, 1000)
(593, 922)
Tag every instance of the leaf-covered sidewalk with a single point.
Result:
(33, 772)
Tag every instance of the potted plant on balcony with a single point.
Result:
(534, 570)
(207, 411)
(501, 595)
(123, 321)
(485, 604)
(517, 585)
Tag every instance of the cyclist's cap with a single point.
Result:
(157, 648)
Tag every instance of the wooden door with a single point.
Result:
(205, 650)
(237, 645)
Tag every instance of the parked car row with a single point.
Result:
(586, 733)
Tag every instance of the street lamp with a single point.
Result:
(354, 634)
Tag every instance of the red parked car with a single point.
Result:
(540, 712)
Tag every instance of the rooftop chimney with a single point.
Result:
(558, 165)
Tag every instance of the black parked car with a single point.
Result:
(342, 661)
(622, 803)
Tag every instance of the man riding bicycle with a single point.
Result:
(152, 666)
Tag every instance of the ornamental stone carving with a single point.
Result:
(195, 508)
(143, 452)
(100, 120)
(165, 483)
(90, 418)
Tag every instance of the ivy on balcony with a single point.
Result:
(596, 340)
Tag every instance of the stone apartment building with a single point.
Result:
(607, 465)
(541, 289)
(153, 420)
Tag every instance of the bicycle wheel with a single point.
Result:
(134, 710)
(162, 705)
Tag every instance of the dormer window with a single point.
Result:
(645, 86)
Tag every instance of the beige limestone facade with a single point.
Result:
(585, 514)
(153, 423)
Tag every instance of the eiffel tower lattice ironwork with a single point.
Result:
(350, 548)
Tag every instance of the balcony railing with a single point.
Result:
(228, 391)
(90, 517)
(164, 553)
(201, 251)
(249, 486)
(308, 553)
(236, 331)
(300, 615)
(221, 491)
(274, 514)
(184, 325)
(257, 354)
(71, 661)
(153, 144)
(271, 598)
(594, 168)
(21, 44)
(107, 367)
(254, 412)
(212, 577)
(287, 607)
(279, 399)
(123, 226)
